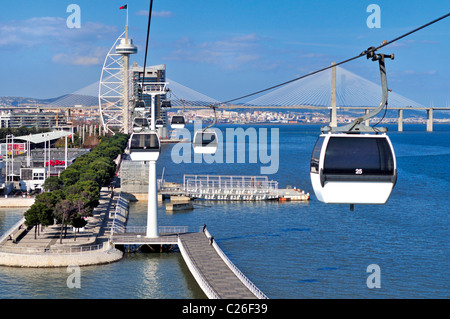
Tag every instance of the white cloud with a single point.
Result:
(63, 58)
(95, 56)
(67, 46)
(231, 53)
(28, 33)
(246, 52)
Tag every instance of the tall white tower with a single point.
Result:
(125, 48)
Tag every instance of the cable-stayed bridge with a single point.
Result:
(182, 96)
(314, 92)
(352, 90)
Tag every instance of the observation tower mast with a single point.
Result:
(125, 48)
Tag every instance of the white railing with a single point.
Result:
(204, 285)
(138, 239)
(12, 229)
(115, 226)
(161, 229)
(250, 285)
(225, 184)
(156, 87)
(74, 250)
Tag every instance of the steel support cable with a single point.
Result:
(364, 53)
(146, 43)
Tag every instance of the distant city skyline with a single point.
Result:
(223, 49)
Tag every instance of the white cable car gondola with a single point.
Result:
(139, 106)
(353, 169)
(177, 121)
(144, 146)
(205, 141)
(351, 166)
(166, 104)
(140, 123)
(159, 123)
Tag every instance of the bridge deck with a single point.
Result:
(212, 270)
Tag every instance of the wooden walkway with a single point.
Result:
(216, 275)
(213, 274)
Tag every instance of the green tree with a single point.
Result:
(63, 211)
(77, 191)
(89, 190)
(46, 217)
(52, 183)
(50, 199)
(89, 175)
(69, 176)
(38, 214)
(78, 222)
(32, 216)
(81, 209)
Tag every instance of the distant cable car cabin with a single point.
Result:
(178, 121)
(139, 105)
(141, 123)
(144, 146)
(205, 141)
(166, 104)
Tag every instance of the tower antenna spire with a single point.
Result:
(126, 24)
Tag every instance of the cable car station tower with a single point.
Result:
(145, 145)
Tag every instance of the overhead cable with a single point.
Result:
(364, 53)
(146, 44)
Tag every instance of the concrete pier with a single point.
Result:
(20, 248)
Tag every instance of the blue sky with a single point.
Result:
(225, 48)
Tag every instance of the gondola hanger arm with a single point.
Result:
(356, 126)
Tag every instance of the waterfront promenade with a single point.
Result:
(216, 275)
(20, 248)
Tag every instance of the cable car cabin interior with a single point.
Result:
(205, 142)
(353, 168)
(144, 146)
(178, 121)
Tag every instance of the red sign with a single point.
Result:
(19, 148)
(55, 163)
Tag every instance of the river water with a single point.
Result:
(288, 249)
